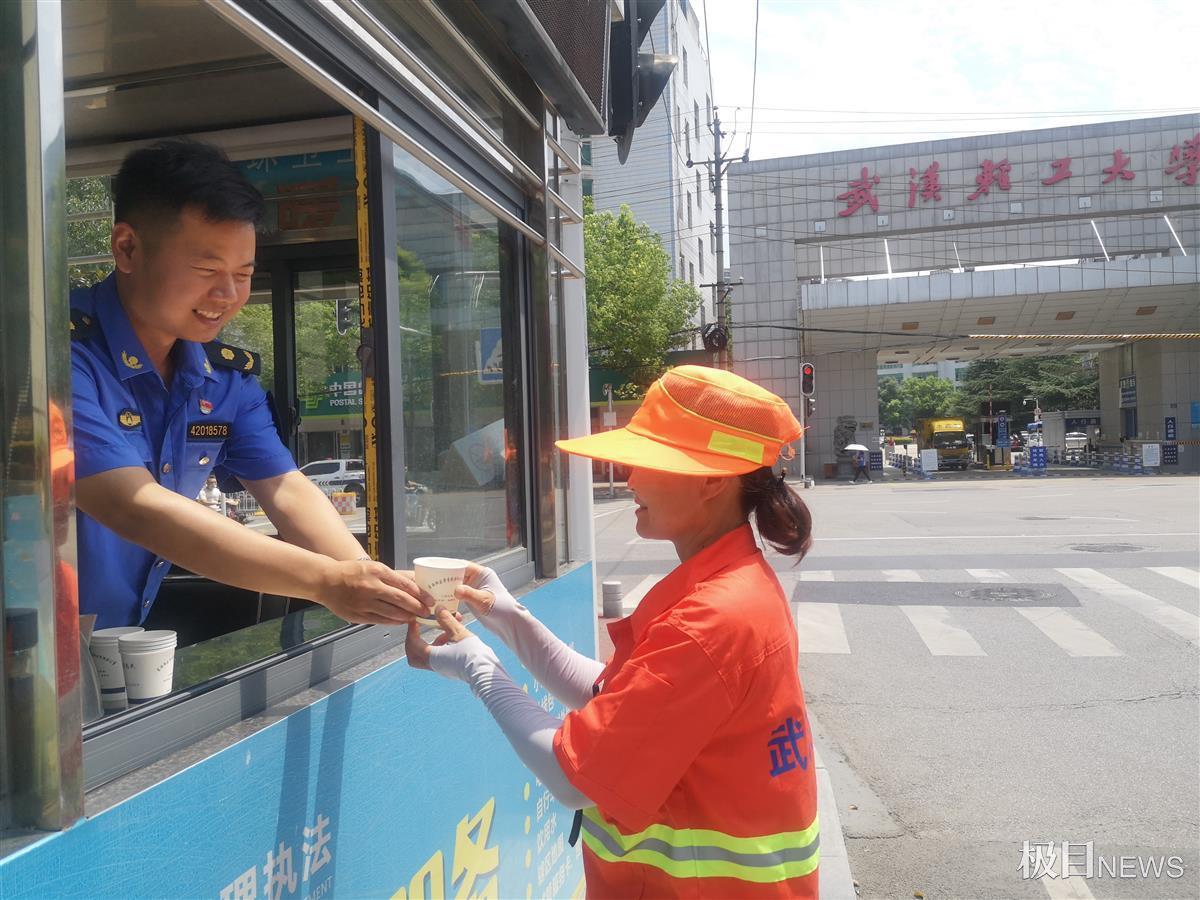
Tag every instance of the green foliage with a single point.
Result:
(1058, 382)
(919, 397)
(891, 406)
(929, 396)
(88, 236)
(634, 315)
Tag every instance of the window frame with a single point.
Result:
(118, 744)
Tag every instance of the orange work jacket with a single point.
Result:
(696, 749)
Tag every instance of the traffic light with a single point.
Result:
(807, 379)
(810, 407)
(635, 80)
(347, 315)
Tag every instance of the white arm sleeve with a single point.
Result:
(565, 673)
(529, 728)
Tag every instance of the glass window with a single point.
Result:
(692, 273)
(587, 187)
(696, 104)
(689, 208)
(460, 362)
(685, 79)
(687, 137)
(585, 153)
(698, 194)
(329, 390)
(700, 250)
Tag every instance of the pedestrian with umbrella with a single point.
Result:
(861, 461)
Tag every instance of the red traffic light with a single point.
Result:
(807, 379)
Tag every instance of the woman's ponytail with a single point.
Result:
(782, 517)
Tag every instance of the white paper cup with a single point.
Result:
(438, 576)
(107, 655)
(148, 660)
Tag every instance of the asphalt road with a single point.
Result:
(995, 662)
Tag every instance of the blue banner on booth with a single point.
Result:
(396, 785)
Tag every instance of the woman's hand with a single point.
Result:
(419, 652)
(473, 592)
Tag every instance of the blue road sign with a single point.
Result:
(1037, 457)
(1169, 428)
(491, 356)
(1170, 454)
(1002, 431)
(876, 464)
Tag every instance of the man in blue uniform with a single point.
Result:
(159, 402)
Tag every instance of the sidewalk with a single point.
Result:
(836, 882)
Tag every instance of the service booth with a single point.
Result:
(418, 311)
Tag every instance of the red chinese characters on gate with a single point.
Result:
(860, 194)
(1185, 163)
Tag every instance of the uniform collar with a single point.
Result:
(128, 355)
(720, 554)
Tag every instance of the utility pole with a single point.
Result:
(717, 166)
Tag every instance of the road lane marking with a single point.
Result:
(941, 636)
(1069, 633)
(1001, 537)
(819, 628)
(630, 601)
(1169, 617)
(989, 574)
(900, 575)
(1067, 887)
(1190, 577)
(817, 575)
(613, 512)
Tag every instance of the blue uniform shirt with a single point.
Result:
(214, 413)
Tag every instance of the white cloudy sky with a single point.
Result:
(837, 74)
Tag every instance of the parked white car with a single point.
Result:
(338, 475)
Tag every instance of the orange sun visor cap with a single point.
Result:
(698, 421)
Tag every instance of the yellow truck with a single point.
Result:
(949, 438)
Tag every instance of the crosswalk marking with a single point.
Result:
(988, 574)
(1190, 577)
(817, 575)
(901, 575)
(941, 636)
(634, 597)
(820, 629)
(1170, 617)
(1066, 887)
(1069, 633)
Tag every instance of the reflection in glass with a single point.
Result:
(458, 359)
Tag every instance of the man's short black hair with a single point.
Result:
(157, 182)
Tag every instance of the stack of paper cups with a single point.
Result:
(107, 656)
(611, 604)
(149, 662)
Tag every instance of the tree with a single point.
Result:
(1058, 382)
(634, 315)
(891, 405)
(928, 396)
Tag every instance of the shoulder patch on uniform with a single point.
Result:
(83, 324)
(228, 357)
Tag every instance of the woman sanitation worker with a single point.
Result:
(689, 752)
